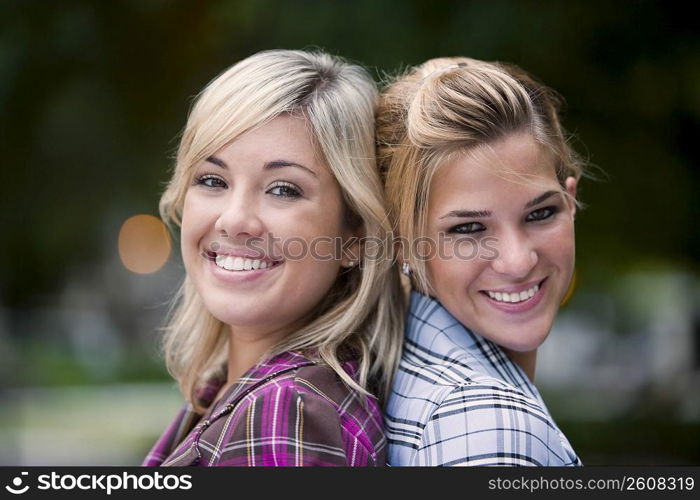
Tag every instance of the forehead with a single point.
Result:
(285, 135)
(512, 168)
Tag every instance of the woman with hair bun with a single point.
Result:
(280, 343)
(478, 170)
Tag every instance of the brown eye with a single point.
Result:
(468, 228)
(541, 214)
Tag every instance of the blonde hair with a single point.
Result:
(447, 106)
(362, 314)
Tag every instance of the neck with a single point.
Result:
(245, 349)
(525, 360)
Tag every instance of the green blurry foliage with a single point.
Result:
(93, 96)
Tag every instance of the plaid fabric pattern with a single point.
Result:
(286, 411)
(457, 399)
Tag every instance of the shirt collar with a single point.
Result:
(432, 328)
(262, 371)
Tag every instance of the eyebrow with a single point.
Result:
(467, 213)
(217, 162)
(475, 214)
(540, 198)
(270, 165)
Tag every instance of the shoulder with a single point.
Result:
(359, 415)
(172, 435)
(315, 406)
(318, 381)
(490, 399)
(432, 395)
(428, 374)
(452, 412)
(490, 424)
(322, 381)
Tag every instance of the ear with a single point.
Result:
(351, 246)
(399, 251)
(570, 185)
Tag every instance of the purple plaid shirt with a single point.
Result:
(286, 411)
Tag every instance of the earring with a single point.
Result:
(569, 291)
(351, 264)
(406, 269)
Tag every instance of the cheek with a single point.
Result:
(311, 269)
(308, 236)
(311, 222)
(187, 227)
(195, 220)
(455, 274)
(560, 246)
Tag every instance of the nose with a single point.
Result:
(516, 257)
(239, 216)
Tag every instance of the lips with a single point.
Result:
(239, 265)
(231, 263)
(242, 277)
(243, 253)
(516, 299)
(514, 294)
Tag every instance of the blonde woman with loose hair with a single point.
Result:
(285, 331)
(481, 186)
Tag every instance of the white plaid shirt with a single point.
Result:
(459, 400)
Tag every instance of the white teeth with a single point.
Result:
(240, 264)
(514, 297)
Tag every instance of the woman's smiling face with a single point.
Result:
(244, 206)
(505, 198)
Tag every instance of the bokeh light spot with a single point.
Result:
(144, 244)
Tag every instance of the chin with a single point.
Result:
(233, 319)
(242, 314)
(526, 345)
(523, 339)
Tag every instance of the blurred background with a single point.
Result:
(94, 94)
